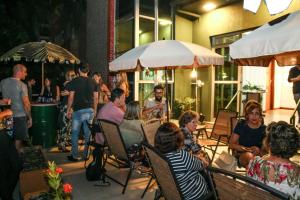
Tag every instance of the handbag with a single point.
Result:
(226, 161)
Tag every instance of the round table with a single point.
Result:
(44, 124)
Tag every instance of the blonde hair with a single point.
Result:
(133, 111)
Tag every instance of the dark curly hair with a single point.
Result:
(187, 117)
(282, 139)
(168, 138)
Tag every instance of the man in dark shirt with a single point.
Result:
(294, 77)
(83, 99)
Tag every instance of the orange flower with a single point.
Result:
(59, 170)
(67, 188)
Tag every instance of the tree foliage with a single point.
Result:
(31, 20)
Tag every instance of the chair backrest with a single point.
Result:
(232, 186)
(223, 122)
(114, 139)
(164, 174)
(149, 130)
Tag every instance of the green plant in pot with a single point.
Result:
(181, 105)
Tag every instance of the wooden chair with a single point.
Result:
(149, 130)
(164, 175)
(221, 132)
(232, 186)
(117, 150)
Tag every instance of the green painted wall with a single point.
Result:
(182, 85)
(232, 18)
(225, 20)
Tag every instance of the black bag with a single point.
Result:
(94, 171)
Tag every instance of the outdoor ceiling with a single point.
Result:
(196, 6)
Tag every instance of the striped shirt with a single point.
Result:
(186, 168)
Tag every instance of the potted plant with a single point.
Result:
(181, 105)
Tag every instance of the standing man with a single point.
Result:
(156, 107)
(83, 99)
(30, 84)
(13, 88)
(294, 77)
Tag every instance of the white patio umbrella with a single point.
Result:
(277, 40)
(166, 54)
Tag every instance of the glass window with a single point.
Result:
(124, 34)
(156, 75)
(164, 21)
(147, 7)
(146, 31)
(223, 94)
(124, 9)
(227, 72)
(124, 28)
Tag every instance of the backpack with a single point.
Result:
(95, 171)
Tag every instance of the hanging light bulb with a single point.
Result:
(194, 73)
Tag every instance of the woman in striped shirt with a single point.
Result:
(169, 141)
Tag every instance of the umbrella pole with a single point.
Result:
(43, 70)
(167, 94)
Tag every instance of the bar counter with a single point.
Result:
(44, 124)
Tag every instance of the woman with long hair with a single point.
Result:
(49, 92)
(64, 124)
(104, 92)
(130, 127)
(122, 82)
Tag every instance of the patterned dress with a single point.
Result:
(286, 175)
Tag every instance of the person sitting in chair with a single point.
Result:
(169, 141)
(130, 127)
(188, 122)
(248, 134)
(276, 169)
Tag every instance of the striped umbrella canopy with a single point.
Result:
(40, 52)
(43, 52)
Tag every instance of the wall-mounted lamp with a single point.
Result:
(194, 73)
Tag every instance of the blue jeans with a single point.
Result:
(81, 117)
(296, 98)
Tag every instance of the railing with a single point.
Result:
(293, 117)
(234, 96)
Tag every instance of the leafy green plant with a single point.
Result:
(250, 87)
(181, 105)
